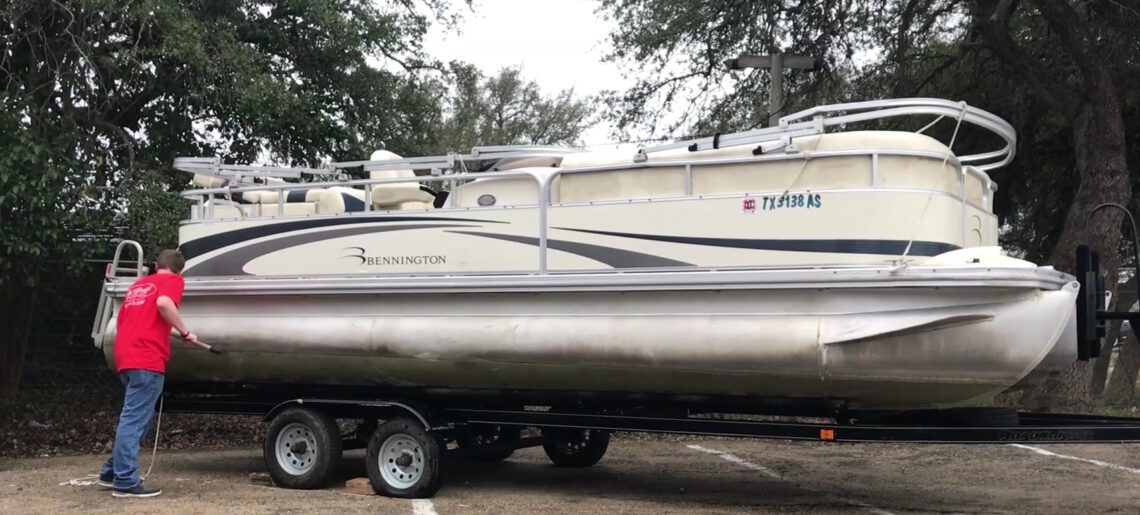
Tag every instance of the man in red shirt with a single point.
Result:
(142, 348)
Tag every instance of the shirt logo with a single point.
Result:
(138, 294)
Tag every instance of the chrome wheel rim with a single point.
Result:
(401, 461)
(296, 449)
(575, 442)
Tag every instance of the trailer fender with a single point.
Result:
(363, 409)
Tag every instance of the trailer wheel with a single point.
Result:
(404, 460)
(302, 448)
(480, 434)
(575, 447)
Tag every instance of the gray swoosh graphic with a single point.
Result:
(232, 262)
(616, 258)
(830, 246)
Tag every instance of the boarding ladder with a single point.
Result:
(116, 271)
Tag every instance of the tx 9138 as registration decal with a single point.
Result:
(772, 202)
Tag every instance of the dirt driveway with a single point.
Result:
(687, 475)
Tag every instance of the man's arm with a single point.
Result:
(169, 312)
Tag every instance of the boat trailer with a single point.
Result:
(416, 439)
(411, 438)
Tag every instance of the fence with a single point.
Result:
(60, 352)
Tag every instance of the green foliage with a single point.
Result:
(36, 193)
(675, 51)
(507, 110)
(95, 91)
(1061, 72)
(879, 49)
(97, 97)
(100, 96)
(153, 213)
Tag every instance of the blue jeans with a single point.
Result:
(143, 389)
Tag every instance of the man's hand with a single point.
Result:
(190, 340)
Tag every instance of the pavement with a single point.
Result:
(638, 475)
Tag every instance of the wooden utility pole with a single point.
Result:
(775, 65)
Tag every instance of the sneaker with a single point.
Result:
(139, 490)
(108, 482)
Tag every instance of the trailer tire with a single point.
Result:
(575, 447)
(481, 434)
(404, 460)
(302, 449)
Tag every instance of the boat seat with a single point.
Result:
(716, 179)
(291, 209)
(340, 199)
(497, 191)
(505, 164)
(615, 185)
(209, 181)
(391, 196)
(394, 196)
(839, 172)
(216, 208)
(291, 196)
(415, 205)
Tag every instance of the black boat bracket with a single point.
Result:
(1094, 298)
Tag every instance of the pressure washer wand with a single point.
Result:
(209, 348)
(203, 345)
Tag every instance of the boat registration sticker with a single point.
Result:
(797, 201)
(807, 200)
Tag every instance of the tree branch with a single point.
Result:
(1073, 30)
(947, 62)
(991, 18)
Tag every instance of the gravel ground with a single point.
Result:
(685, 475)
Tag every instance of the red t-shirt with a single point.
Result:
(142, 336)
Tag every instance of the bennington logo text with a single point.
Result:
(358, 253)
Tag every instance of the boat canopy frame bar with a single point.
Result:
(809, 122)
(817, 119)
(545, 177)
(768, 140)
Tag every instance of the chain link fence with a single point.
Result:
(60, 353)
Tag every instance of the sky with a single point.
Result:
(557, 43)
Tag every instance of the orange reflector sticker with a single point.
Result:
(827, 434)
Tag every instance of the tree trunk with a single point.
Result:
(1100, 366)
(1122, 302)
(1098, 144)
(1121, 389)
(17, 303)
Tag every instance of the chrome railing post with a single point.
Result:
(543, 202)
(875, 170)
(962, 199)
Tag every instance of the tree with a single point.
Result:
(507, 110)
(98, 93)
(1055, 68)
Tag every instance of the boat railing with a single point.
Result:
(817, 119)
(451, 168)
(881, 109)
(116, 269)
(545, 177)
(812, 121)
(197, 166)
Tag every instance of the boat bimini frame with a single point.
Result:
(771, 144)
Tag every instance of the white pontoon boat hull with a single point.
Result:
(787, 262)
(872, 337)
